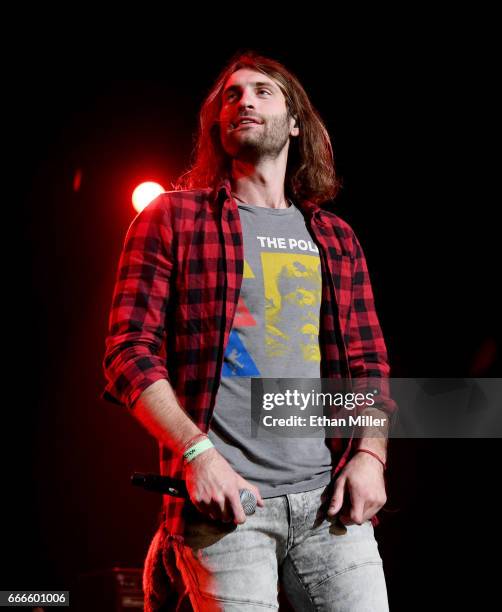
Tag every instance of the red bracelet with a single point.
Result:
(365, 450)
(189, 443)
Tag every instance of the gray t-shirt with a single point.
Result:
(275, 335)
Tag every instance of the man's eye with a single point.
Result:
(264, 91)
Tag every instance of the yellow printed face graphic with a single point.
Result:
(293, 287)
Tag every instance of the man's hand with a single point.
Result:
(213, 486)
(363, 482)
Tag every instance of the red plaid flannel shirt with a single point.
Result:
(176, 295)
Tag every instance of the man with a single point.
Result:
(217, 281)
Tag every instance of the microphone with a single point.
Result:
(177, 488)
(248, 501)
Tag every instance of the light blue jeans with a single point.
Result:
(291, 541)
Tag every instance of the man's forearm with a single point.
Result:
(374, 437)
(159, 411)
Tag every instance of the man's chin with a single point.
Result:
(247, 151)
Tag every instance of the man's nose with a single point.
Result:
(246, 100)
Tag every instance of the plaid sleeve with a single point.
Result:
(367, 353)
(136, 323)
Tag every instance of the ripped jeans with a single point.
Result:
(290, 542)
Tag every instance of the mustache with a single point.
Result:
(221, 121)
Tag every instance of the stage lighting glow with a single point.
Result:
(144, 194)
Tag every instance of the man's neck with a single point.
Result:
(260, 184)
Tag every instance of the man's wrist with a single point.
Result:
(374, 455)
(193, 440)
(375, 445)
(374, 439)
(195, 449)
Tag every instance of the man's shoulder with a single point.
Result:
(185, 197)
(342, 228)
(335, 219)
(176, 204)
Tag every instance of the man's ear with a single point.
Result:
(295, 128)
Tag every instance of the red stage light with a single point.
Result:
(145, 193)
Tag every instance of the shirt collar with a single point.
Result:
(223, 192)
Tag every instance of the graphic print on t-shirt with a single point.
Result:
(291, 289)
(292, 300)
(238, 362)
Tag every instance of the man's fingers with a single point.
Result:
(259, 498)
(345, 511)
(337, 499)
(255, 491)
(357, 512)
(226, 515)
(237, 509)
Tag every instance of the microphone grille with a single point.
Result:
(248, 501)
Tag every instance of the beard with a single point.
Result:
(266, 141)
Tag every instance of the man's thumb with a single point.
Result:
(337, 499)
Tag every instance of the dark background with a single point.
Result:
(409, 115)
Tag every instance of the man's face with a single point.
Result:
(254, 121)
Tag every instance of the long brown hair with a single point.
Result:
(310, 172)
